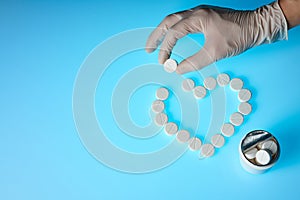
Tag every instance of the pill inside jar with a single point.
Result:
(259, 151)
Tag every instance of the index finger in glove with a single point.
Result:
(158, 34)
(179, 30)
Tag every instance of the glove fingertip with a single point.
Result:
(161, 61)
(184, 67)
(163, 56)
(179, 71)
(149, 49)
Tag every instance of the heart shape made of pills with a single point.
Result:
(199, 92)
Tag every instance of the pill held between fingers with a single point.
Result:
(227, 129)
(244, 95)
(188, 85)
(210, 83)
(245, 108)
(161, 119)
(162, 93)
(218, 140)
(263, 157)
(199, 92)
(236, 119)
(158, 106)
(195, 144)
(207, 150)
(223, 79)
(171, 128)
(183, 136)
(170, 65)
(250, 154)
(236, 84)
(270, 145)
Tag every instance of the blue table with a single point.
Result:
(44, 43)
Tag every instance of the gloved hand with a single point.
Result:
(227, 32)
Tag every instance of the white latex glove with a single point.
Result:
(227, 32)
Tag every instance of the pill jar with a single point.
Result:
(259, 151)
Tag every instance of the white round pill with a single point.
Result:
(188, 85)
(270, 145)
(227, 129)
(210, 83)
(170, 65)
(207, 150)
(250, 154)
(162, 93)
(161, 119)
(171, 128)
(245, 108)
(199, 92)
(244, 95)
(183, 136)
(236, 119)
(158, 106)
(195, 144)
(223, 79)
(218, 140)
(263, 157)
(236, 84)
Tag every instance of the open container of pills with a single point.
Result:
(259, 151)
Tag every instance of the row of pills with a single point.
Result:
(171, 128)
(182, 136)
(199, 92)
(161, 119)
(236, 119)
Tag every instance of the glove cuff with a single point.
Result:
(272, 23)
(281, 22)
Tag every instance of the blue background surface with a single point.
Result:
(43, 44)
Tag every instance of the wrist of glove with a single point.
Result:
(227, 32)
